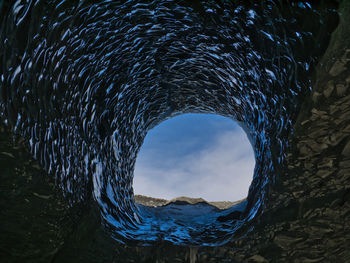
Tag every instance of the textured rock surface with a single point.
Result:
(84, 82)
(306, 215)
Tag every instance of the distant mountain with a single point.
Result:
(154, 202)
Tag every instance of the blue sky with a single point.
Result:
(195, 155)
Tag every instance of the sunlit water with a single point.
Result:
(85, 81)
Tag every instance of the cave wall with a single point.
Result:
(308, 214)
(308, 219)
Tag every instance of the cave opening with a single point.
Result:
(194, 158)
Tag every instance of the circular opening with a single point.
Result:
(134, 66)
(202, 156)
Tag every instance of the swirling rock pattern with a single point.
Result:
(84, 82)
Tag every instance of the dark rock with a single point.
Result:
(330, 87)
(341, 89)
(235, 215)
(297, 209)
(346, 150)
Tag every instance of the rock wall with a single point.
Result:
(307, 214)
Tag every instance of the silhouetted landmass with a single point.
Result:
(151, 201)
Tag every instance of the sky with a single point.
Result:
(195, 155)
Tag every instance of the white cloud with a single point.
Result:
(222, 171)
